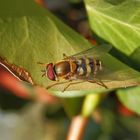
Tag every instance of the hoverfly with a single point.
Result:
(84, 66)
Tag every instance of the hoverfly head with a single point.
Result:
(48, 71)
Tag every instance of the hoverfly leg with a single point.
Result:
(72, 84)
(51, 85)
(58, 83)
(102, 84)
(43, 74)
(65, 56)
(98, 82)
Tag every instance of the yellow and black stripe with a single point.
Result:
(88, 66)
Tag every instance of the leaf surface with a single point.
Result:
(117, 21)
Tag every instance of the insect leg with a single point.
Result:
(58, 83)
(98, 82)
(102, 84)
(65, 56)
(72, 84)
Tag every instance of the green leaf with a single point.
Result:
(116, 21)
(28, 36)
(18, 8)
(135, 58)
(130, 98)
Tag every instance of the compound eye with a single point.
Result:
(50, 72)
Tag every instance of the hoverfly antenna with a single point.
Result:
(65, 56)
(43, 70)
(43, 64)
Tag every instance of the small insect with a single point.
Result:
(85, 66)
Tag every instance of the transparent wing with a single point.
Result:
(95, 51)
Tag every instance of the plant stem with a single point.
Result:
(77, 128)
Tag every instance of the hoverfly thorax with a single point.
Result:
(62, 68)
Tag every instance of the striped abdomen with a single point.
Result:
(88, 66)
